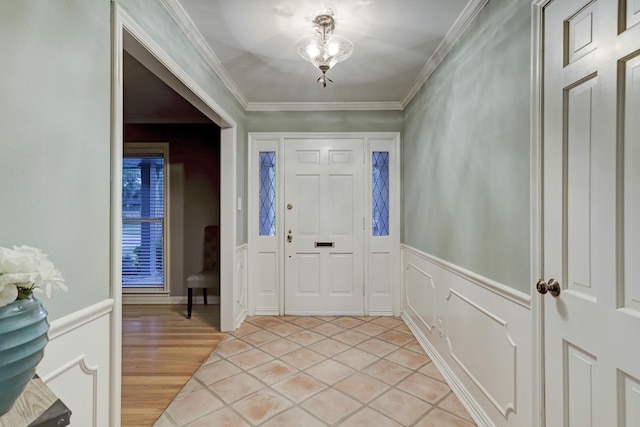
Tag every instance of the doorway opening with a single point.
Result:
(130, 39)
(170, 187)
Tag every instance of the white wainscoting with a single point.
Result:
(477, 332)
(265, 283)
(240, 286)
(77, 365)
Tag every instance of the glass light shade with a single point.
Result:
(324, 51)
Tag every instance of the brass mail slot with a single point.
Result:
(325, 244)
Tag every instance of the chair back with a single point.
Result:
(211, 252)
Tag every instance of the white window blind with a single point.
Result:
(143, 200)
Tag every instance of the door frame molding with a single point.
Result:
(536, 201)
(127, 33)
(266, 291)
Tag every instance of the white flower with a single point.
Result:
(49, 278)
(19, 260)
(24, 269)
(8, 294)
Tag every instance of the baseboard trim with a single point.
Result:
(325, 313)
(240, 319)
(79, 318)
(267, 312)
(382, 312)
(497, 288)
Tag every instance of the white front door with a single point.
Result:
(324, 221)
(591, 212)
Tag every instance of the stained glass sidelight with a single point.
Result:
(380, 196)
(267, 193)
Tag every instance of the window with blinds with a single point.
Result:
(143, 220)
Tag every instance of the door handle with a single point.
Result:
(552, 286)
(289, 237)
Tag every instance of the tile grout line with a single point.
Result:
(257, 323)
(388, 387)
(298, 370)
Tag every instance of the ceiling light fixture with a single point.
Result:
(323, 48)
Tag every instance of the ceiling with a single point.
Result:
(251, 46)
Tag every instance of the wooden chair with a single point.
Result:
(209, 277)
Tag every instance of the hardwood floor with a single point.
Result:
(161, 349)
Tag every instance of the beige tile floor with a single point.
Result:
(317, 371)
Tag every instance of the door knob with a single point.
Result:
(289, 237)
(552, 286)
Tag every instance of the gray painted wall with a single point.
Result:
(325, 121)
(466, 151)
(55, 140)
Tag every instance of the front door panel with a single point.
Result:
(324, 226)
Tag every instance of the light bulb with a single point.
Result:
(333, 48)
(313, 51)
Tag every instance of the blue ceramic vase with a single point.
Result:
(23, 336)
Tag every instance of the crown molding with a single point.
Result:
(467, 16)
(177, 12)
(324, 106)
(179, 15)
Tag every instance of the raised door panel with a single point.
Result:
(324, 256)
(590, 219)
